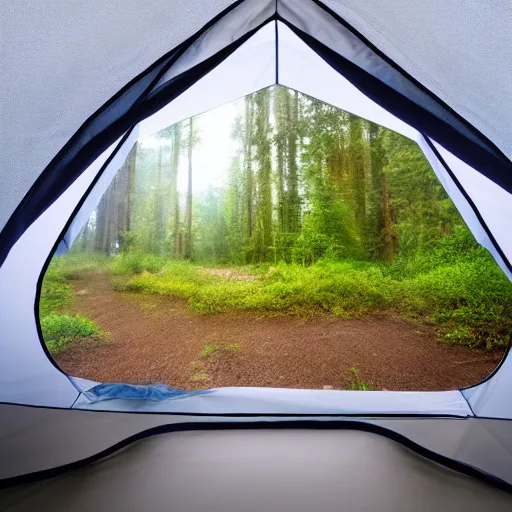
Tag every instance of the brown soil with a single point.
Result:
(157, 339)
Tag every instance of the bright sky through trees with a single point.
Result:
(214, 151)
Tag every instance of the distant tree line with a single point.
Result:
(308, 181)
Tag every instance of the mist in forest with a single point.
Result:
(298, 180)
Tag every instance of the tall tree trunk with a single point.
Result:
(107, 231)
(101, 213)
(263, 157)
(280, 140)
(293, 178)
(132, 165)
(389, 238)
(378, 243)
(381, 236)
(158, 228)
(357, 164)
(175, 195)
(248, 179)
(188, 240)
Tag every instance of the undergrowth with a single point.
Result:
(355, 382)
(211, 348)
(459, 289)
(59, 328)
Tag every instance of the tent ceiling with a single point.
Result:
(62, 59)
(55, 79)
(461, 50)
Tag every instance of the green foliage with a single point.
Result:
(350, 216)
(466, 295)
(355, 382)
(55, 293)
(61, 330)
(211, 348)
(136, 263)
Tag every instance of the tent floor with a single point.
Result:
(299, 470)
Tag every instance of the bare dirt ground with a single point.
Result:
(157, 339)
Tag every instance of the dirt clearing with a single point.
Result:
(157, 339)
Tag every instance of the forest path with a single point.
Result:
(157, 339)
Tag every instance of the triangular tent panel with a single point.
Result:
(81, 85)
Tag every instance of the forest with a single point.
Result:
(317, 212)
(307, 182)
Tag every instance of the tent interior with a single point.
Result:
(137, 71)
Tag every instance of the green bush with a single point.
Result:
(55, 293)
(61, 330)
(456, 285)
(136, 263)
(466, 294)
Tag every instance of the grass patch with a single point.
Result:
(136, 263)
(468, 297)
(210, 349)
(199, 373)
(59, 328)
(55, 295)
(456, 286)
(356, 384)
(59, 331)
(200, 377)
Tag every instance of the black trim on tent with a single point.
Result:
(478, 134)
(453, 464)
(95, 135)
(133, 104)
(423, 415)
(489, 164)
(470, 202)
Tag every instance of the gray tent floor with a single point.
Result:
(299, 470)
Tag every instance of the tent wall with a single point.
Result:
(132, 103)
(26, 373)
(65, 59)
(459, 50)
(55, 106)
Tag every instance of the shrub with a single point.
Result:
(61, 330)
(467, 295)
(74, 265)
(136, 263)
(55, 293)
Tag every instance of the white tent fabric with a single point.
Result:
(56, 74)
(40, 74)
(459, 50)
(211, 91)
(81, 82)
